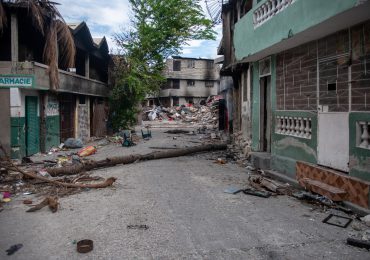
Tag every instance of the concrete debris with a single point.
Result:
(201, 114)
(73, 143)
(366, 220)
(142, 227)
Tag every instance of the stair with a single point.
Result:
(331, 192)
(333, 184)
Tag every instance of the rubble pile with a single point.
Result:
(206, 113)
(241, 143)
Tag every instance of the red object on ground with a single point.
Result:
(89, 150)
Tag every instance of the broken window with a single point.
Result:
(191, 64)
(175, 83)
(176, 65)
(209, 84)
(190, 83)
(176, 101)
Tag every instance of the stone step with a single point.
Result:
(331, 192)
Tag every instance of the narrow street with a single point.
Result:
(185, 209)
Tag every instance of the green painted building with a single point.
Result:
(301, 69)
(36, 115)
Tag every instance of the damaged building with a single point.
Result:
(300, 75)
(44, 99)
(189, 80)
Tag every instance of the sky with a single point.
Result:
(105, 18)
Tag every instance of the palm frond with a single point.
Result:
(51, 54)
(3, 19)
(66, 45)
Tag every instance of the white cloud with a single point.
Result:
(105, 18)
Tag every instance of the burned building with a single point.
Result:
(189, 80)
(45, 100)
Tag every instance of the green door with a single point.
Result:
(32, 126)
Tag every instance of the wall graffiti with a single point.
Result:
(52, 106)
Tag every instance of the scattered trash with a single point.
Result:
(73, 143)
(6, 195)
(304, 195)
(13, 249)
(127, 140)
(61, 146)
(260, 183)
(27, 193)
(233, 190)
(144, 227)
(27, 202)
(174, 138)
(87, 151)
(220, 161)
(103, 142)
(85, 246)
(52, 202)
(366, 220)
(358, 243)
(146, 135)
(262, 194)
(7, 200)
(336, 220)
(44, 173)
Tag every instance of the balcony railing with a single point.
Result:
(268, 9)
(295, 126)
(363, 136)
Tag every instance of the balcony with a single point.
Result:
(273, 26)
(68, 82)
(269, 9)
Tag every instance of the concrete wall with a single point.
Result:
(198, 90)
(5, 119)
(200, 71)
(69, 82)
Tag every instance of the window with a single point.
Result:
(191, 64)
(191, 83)
(82, 100)
(189, 100)
(209, 84)
(176, 65)
(176, 101)
(210, 64)
(176, 84)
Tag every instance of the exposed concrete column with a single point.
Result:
(87, 65)
(14, 37)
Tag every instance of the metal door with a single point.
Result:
(32, 126)
(333, 140)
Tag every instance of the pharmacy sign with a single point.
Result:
(16, 81)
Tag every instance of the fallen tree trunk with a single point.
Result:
(112, 161)
(108, 182)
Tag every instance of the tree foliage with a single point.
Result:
(158, 30)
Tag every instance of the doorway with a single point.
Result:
(32, 126)
(265, 114)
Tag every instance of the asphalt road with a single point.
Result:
(189, 216)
